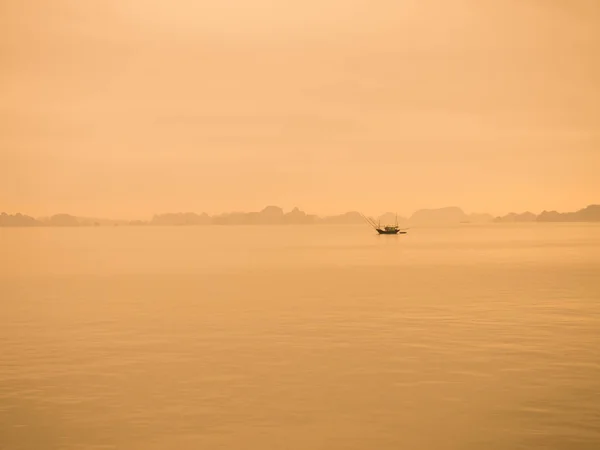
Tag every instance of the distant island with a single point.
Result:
(274, 215)
(590, 213)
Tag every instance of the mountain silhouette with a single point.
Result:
(274, 215)
(514, 217)
(18, 220)
(589, 214)
(442, 216)
(63, 220)
(349, 218)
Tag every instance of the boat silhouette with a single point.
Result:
(387, 229)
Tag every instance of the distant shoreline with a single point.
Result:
(274, 215)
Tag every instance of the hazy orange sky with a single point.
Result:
(124, 108)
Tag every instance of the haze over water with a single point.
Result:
(324, 337)
(297, 338)
(126, 108)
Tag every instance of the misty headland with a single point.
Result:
(275, 215)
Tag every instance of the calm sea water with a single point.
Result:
(473, 337)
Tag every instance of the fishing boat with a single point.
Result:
(387, 229)
(390, 230)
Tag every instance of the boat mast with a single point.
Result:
(369, 221)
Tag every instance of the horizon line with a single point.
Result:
(214, 215)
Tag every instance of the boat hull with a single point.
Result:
(380, 231)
